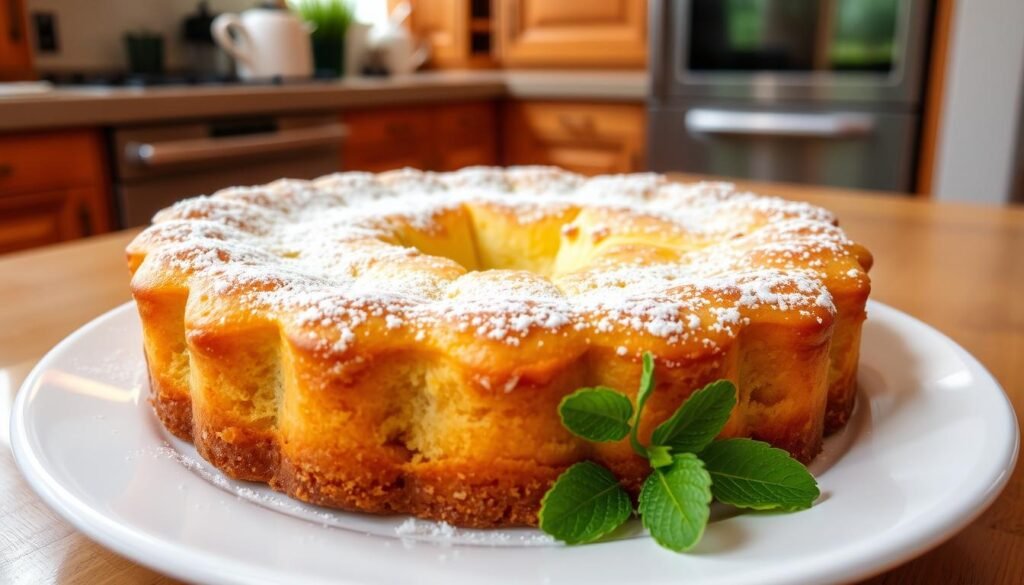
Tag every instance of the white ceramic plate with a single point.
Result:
(931, 444)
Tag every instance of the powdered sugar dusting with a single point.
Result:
(443, 532)
(336, 259)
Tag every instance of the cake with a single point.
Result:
(400, 342)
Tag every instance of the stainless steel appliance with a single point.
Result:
(158, 165)
(813, 91)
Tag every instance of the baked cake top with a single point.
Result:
(501, 255)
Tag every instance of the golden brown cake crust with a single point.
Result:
(504, 493)
(399, 343)
(173, 409)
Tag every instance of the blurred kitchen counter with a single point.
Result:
(105, 106)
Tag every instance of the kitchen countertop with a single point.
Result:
(956, 267)
(104, 106)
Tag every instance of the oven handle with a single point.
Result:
(205, 149)
(831, 125)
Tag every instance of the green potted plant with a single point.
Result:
(330, 19)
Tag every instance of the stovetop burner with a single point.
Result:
(163, 80)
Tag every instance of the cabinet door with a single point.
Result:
(466, 135)
(46, 161)
(594, 33)
(428, 138)
(387, 138)
(591, 139)
(48, 217)
(53, 187)
(15, 58)
(444, 24)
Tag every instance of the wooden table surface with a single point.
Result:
(957, 267)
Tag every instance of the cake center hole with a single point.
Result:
(498, 239)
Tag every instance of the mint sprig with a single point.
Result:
(659, 456)
(675, 502)
(646, 387)
(688, 468)
(696, 423)
(596, 414)
(585, 503)
(753, 474)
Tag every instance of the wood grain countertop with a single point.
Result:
(957, 267)
(105, 106)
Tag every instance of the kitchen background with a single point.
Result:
(90, 34)
(115, 108)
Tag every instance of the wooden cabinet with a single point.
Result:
(15, 56)
(444, 25)
(589, 138)
(571, 33)
(457, 31)
(53, 188)
(386, 138)
(466, 135)
(426, 137)
(532, 33)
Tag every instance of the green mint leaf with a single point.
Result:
(646, 381)
(585, 503)
(675, 502)
(752, 474)
(699, 420)
(661, 456)
(646, 386)
(597, 414)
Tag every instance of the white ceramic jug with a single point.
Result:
(268, 42)
(399, 52)
(357, 47)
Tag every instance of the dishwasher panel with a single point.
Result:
(159, 165)
(809, 144)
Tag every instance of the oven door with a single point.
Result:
(778, 50)
(159, 165)
(800, 144)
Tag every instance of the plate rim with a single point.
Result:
(165, 555)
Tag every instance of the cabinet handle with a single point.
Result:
(6, 171)
(741, 123)
(204, 149)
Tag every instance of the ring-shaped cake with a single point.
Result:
(399, 343)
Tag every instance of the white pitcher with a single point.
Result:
(399, 52)
(268, 42)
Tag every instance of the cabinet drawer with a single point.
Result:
(592, 159)
(381, 140)
(466, 124)
(51, 160)
(429, 138)
(392, 126)
(587, 138)
(556, 121)
(38, 219)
